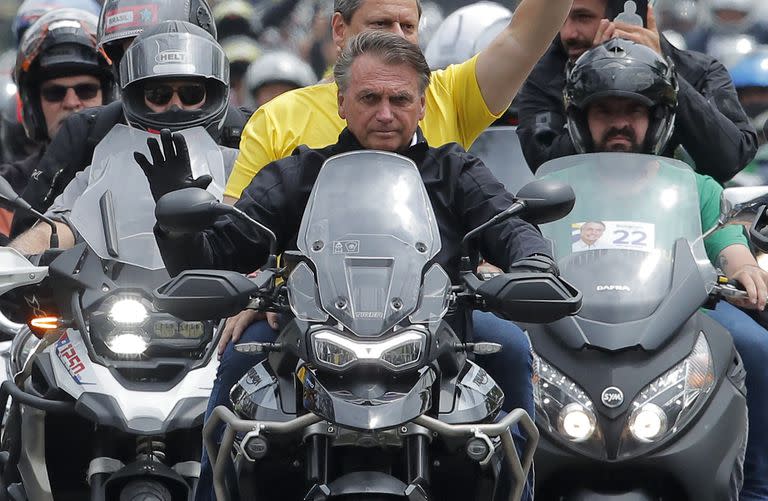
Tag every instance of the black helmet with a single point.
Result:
(175, 50)
(621, 68)
(125, 19)
(60, 43)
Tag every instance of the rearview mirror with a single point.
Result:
(530, 297)
(546, 200)
(758, 231)
(741, 205)
(188, 210)
(205, 294)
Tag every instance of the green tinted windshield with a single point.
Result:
(616, 245)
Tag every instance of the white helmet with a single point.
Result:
(466, 32)
(279, 67)
(747, 7)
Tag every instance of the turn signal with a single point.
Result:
(41, 325)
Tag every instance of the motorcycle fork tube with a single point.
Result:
(317, 460)
(417, 460)
(97, 482)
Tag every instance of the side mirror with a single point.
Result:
(741, 205)
(530, 297)
(189, 210)
(546, 200)
(758, 232)
(205, 294)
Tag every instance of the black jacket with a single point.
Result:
(72, 151)
(710, 124)
(463, 192)
(18, 173)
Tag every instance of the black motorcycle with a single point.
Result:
(641, 395)
(367, 393)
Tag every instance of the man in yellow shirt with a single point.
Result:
(462, 100)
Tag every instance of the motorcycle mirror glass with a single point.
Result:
(188, 210)
(758, 231)
(741, 205)
(204, 294)
(530, 297)
(546, 200)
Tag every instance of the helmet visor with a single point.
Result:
(170, 55)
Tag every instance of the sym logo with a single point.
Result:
(622, 288)
(612, 397)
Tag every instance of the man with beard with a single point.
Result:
(622, 97)
(710, 123)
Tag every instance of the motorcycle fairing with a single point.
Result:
(353, 409)
(475, 396)
(686, 293)
(100, 395)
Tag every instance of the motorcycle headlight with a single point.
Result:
(565, 410)
(128, 325)
(128, 311)
(668, 403)
(397, 352)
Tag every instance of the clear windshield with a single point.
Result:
(616, 246)
(118, 201)
(499, 149)
(369, 229)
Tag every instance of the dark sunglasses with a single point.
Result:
(189, 94)
(55, 93)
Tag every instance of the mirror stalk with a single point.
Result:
(517, 207)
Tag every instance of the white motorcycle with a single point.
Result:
(108, 393)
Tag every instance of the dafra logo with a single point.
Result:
(170, 56)
(621, 288)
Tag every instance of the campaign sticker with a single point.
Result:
(627, 235)
(130, 17)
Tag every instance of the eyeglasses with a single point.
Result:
(189, 94)
(56, 93)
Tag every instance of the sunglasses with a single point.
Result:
(189, 94)
(56, 93)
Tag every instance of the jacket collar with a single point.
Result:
(348, 142)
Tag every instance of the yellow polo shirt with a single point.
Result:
(455, 112)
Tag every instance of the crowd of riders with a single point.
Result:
(262, 79)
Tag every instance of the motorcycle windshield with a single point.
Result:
(499, 149)
(369, 230)
(115, 214)
(616, 246)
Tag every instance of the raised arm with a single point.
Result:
(506, 63)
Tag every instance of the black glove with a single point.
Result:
(538, 263)
(170, 172)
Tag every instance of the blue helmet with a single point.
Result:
(31, 10)
(751, 70)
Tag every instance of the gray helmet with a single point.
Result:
(431, 18)
(126, 19)
(168, 51)
(279, 67)
(466, 32)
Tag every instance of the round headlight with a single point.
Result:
(128, 312)
(647, 422)
(576, 422)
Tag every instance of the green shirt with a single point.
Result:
(709, 201)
